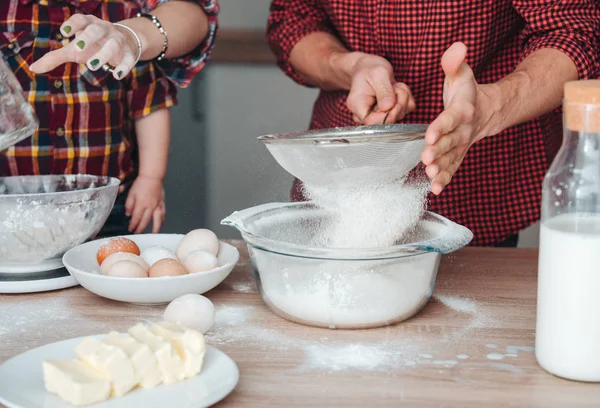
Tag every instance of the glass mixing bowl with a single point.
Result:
(337, 287)
(41, 217)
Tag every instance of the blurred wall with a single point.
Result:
(216, 164)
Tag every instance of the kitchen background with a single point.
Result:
(216, 164)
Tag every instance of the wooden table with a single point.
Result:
(470, 347)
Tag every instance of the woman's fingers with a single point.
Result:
(125, 66)
(96, 42)
(75, 24)
(110, 51)
(90, 37)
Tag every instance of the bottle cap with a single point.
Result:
(582, 106)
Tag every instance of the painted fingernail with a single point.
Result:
(67, 29)
(80, 44)
(94, 63)
(120, 74)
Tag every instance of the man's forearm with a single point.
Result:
(185, 22)
(320, 59)
(533, 89)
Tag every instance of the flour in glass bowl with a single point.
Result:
(347, 294)
(32, 231)
(354, 293)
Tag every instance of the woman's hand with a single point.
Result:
(375, 96)
(145, 203)
(97, 42)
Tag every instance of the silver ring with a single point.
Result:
(110, 69)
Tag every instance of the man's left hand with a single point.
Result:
(461, 123)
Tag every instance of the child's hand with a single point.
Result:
(145, 203)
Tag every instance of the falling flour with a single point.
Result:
(368, 215)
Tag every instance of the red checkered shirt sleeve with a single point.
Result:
(571, 26)
(182, 70)
(289, 22)
(148, 91)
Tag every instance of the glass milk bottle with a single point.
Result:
(568, 304)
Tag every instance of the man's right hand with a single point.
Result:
(375, 97)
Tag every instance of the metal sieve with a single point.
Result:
(378, 153)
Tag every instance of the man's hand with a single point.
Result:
(375, 96)
(145, 203)
(461, 123)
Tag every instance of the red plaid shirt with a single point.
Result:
(86, 118)
(496, 192)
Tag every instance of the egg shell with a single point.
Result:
(193, 311)
(125, 269)
(198, 240)
(122, 256)
(200, 261)
(155, 253)
(166, 267)
(120, 244)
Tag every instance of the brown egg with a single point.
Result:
(166, 267)
(115, 245)
(122, 256)
(125, 269)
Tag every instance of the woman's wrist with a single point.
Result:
(150, 37)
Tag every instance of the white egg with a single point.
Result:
(198, 240)
(200, 261)
(126, 269)
(155, 253)
(193, 311)
(122, 256)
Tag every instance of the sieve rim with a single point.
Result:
(356, 134)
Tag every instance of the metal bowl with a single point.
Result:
(41, 217)
(338, 287)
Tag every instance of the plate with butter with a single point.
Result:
(161, 365)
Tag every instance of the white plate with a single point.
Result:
(40, 284)
(22, 382)
(81, 263)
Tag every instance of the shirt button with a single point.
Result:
(11, 46)
(58, 84)
(59, 37)
(60, 132)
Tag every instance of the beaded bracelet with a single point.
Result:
(162, 31)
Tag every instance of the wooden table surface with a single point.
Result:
(472, 345)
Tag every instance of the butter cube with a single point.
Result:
(169, 361)
(143, 359)
(110, 361)
(75, 382)
(189, 344)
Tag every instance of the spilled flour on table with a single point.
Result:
(235, 325)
